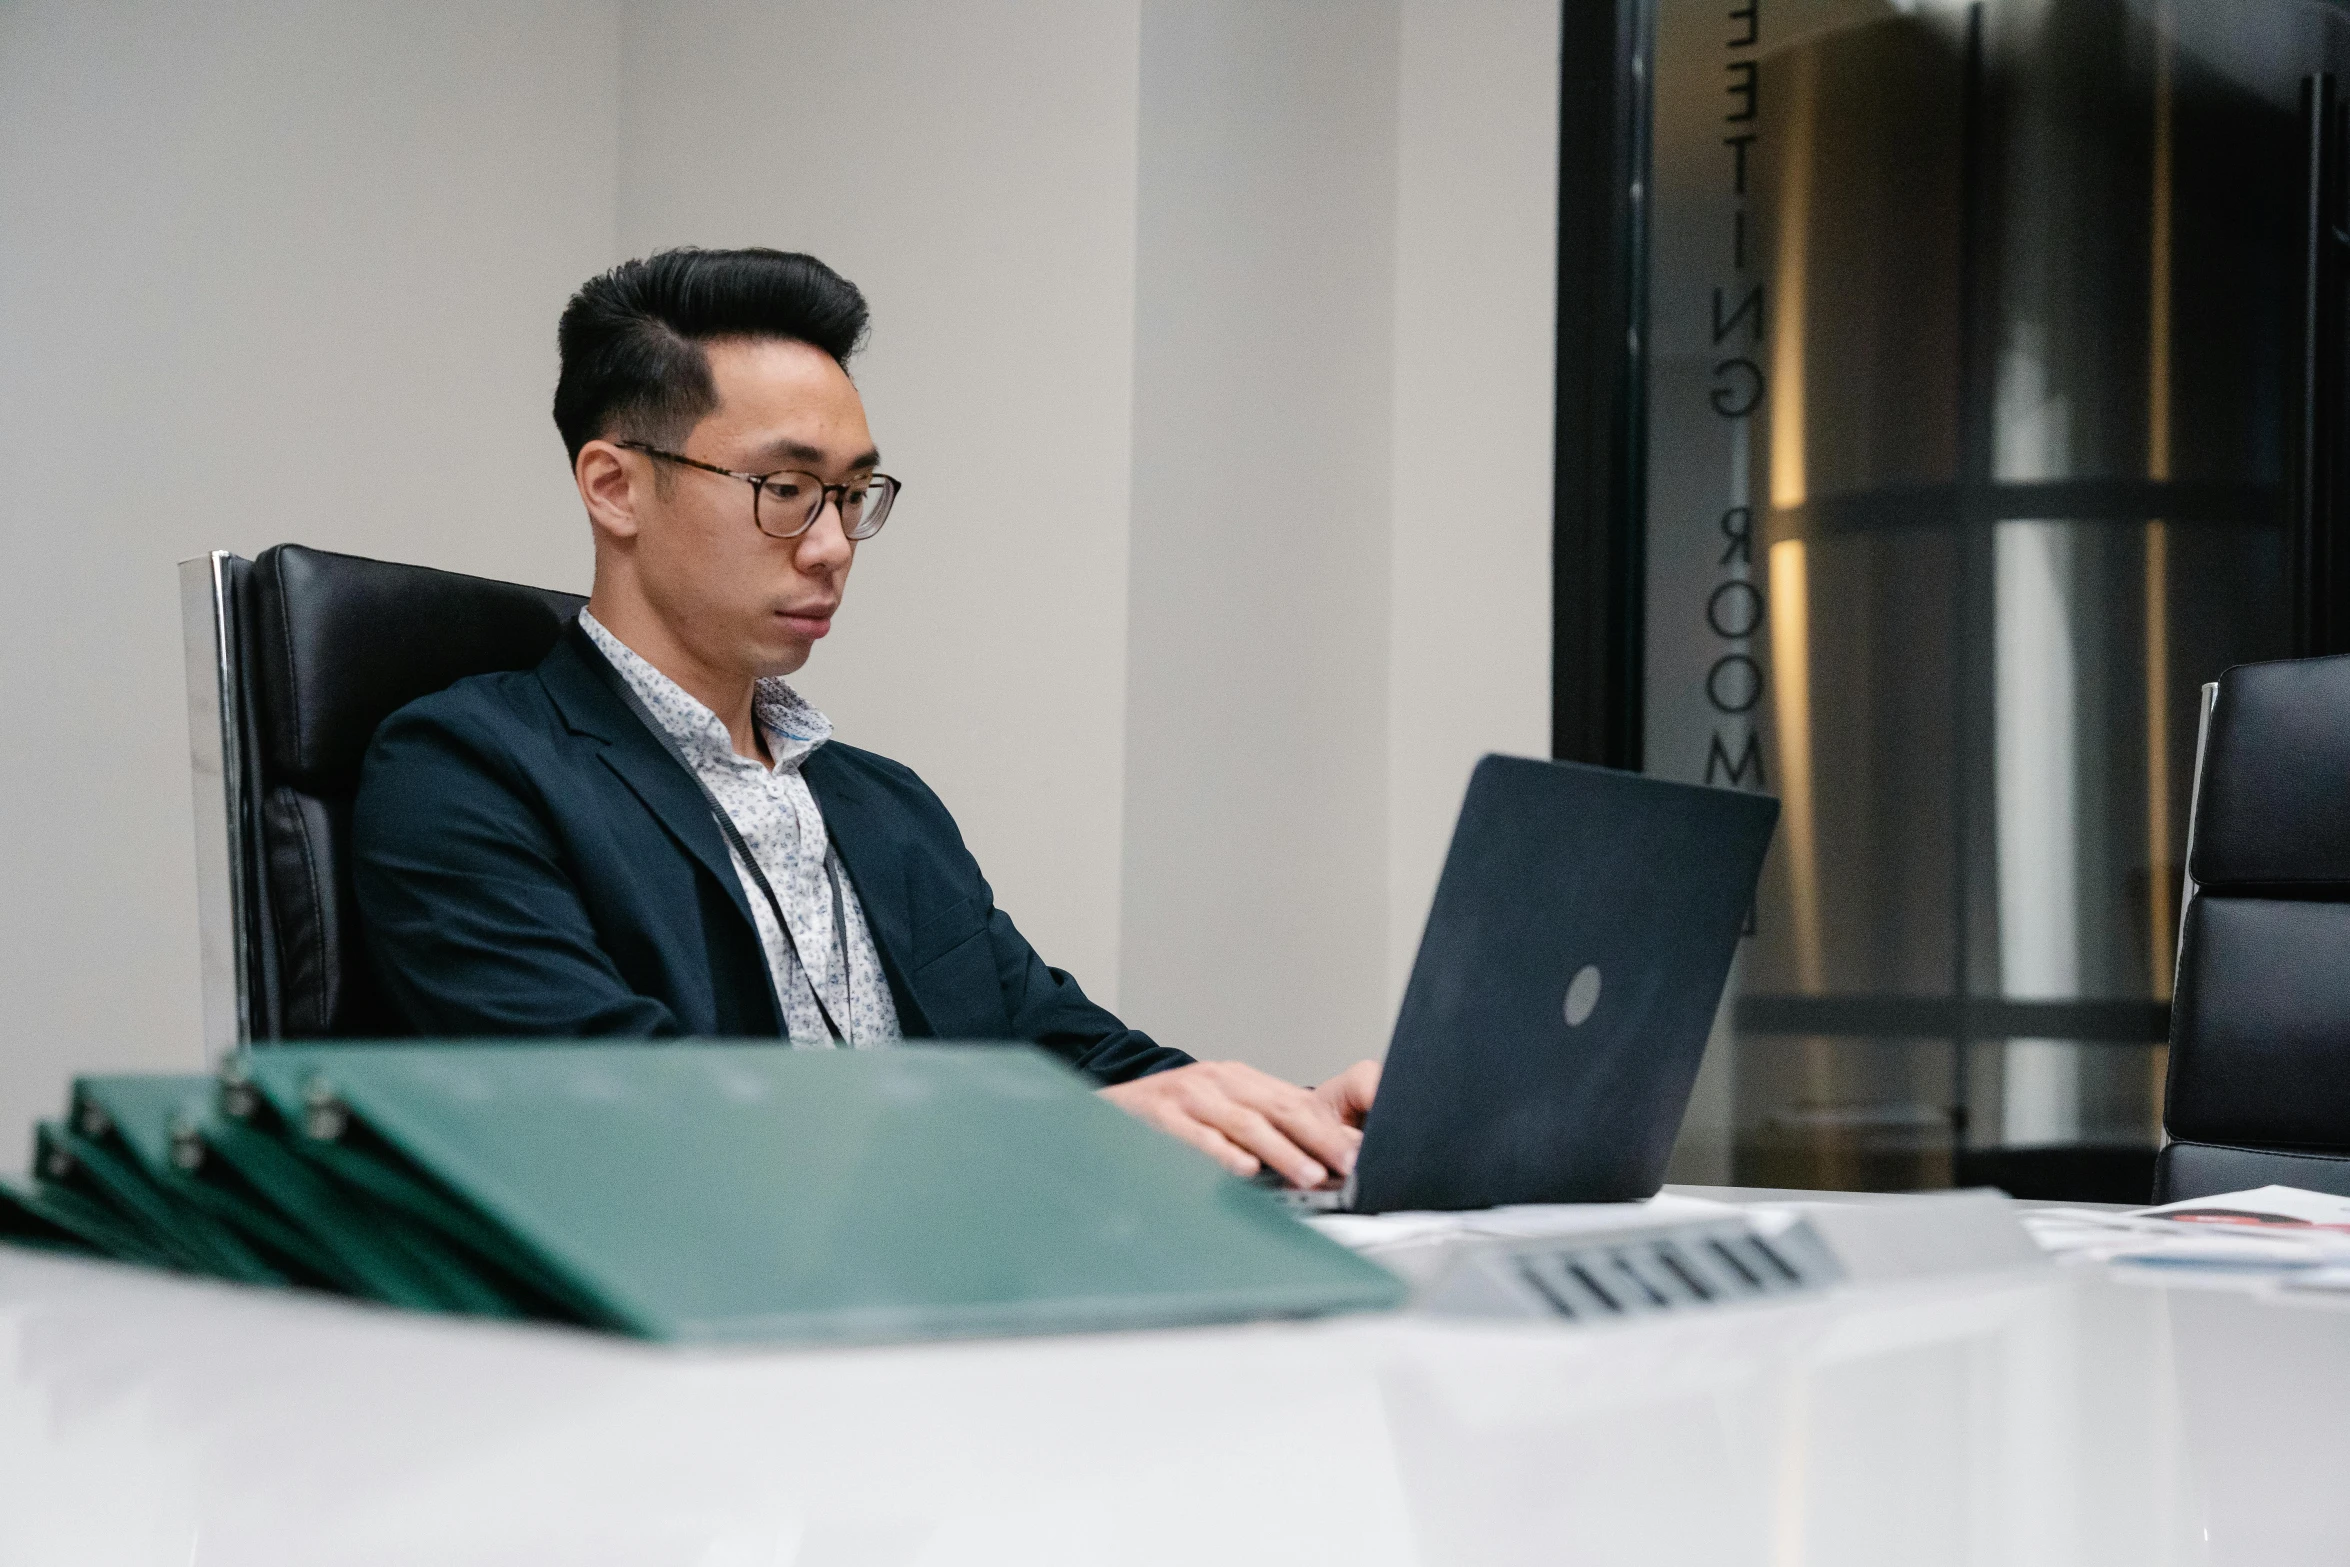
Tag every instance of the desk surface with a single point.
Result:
(2058, 1416)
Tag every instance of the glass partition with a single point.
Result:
(1972, 331)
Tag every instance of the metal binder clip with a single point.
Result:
(238, 1098)
(187, 1143)
(323, 1114)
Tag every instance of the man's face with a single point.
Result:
(740, 600)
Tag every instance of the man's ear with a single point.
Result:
(608, 487)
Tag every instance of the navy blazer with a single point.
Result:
(530, 859)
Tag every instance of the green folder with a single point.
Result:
(166, 1123)
(298, 1225)
(376, 1254)
(750, 1192)
(433, 1223)
(133, 1120)
(29, 1218)
(65, 1160)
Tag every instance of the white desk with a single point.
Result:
(2054, 1417)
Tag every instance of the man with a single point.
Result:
(651, 833)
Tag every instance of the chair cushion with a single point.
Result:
(325, 986)
(2186, 1170)
(337, 643)
(2274, 808)
(332, 645)
(2260, 1027)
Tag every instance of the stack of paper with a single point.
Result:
(2273, 1236)
(691, 1192)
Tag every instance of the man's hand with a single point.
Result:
(1246, 1120)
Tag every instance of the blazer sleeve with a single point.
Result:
(473, 924)
(1048, 1007)
(1041, 1003)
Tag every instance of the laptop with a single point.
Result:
(1565, 986)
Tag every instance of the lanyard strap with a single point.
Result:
(750, 863)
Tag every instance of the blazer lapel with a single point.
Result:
(581, 682)
(875, 859)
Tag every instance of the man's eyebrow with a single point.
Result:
(791, 451)
(800, 451)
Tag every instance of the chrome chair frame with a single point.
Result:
(218, 753)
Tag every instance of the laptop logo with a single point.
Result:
(1582, 994)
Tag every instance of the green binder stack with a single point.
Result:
(695, 1193)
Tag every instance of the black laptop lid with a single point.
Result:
(1490, 1093)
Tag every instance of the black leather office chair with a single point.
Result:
(294, 659)
(2260, 1022)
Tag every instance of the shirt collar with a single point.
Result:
(793, 726)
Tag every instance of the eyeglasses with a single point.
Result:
(786, 503)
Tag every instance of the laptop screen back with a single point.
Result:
(1565, 985)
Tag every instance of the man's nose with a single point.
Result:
(825, 546)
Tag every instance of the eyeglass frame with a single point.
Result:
(758, 484)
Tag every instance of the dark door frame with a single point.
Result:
(1599, 477)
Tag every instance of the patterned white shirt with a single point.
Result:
(777, 815)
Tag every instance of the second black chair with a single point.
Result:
(2260, 1022)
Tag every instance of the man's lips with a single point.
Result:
(810, 620)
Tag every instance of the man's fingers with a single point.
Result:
(1300, 1118)
(1310, 1124)
(1246, 1119)
(1211, 1142)
(1161, 1101)
(1305, 1120)
(1222, 1149)
(1251, 1130)
(1350, 1093)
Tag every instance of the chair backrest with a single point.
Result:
(2260, 1017)
(295, 658)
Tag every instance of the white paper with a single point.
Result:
(2319, 1281)
(2286, 1206)
(2271, 1231)
(1371, 1232)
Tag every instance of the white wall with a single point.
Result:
(1191, 319)
(1255, 898)
(1475, 280)
(1341, 559)
(971, 167)
(266, 272)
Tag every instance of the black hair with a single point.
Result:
(631, 340)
